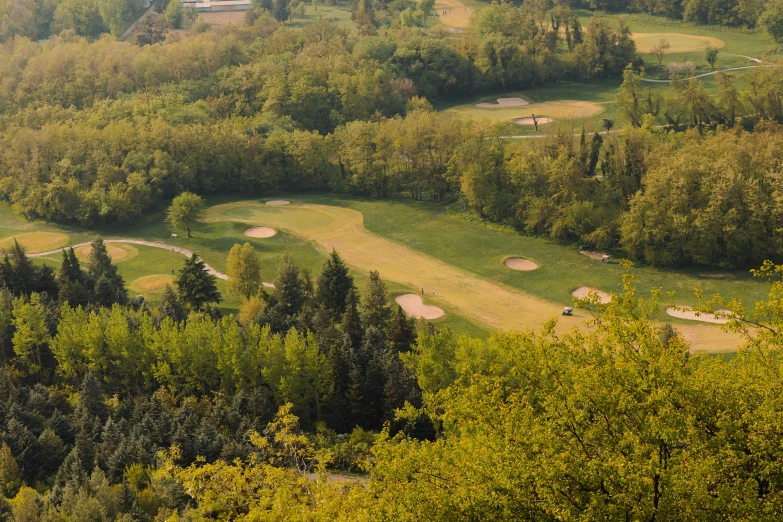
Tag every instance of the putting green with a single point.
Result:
(680, 43)
(151, 284)
(117, 252)
(481, 301)
(556, 110)
(34, 242)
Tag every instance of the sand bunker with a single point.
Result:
(260, 232)
(152, 283)
(520, 263)
(680, 43)
(583, 292)
(116, 252)
(692, 315)
(593, 254)
(529, 121)
(414, 307)
(34, 242)
(503, 102)
(277, 203)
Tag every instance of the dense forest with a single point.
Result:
(114, 410)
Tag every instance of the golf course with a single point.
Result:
(475, 278)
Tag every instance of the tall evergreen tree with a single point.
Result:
(196, 286)
(334, 283)
(72, 281)
(375, 305)
(402, 332)
(289, 291)
(170, 305)
(351, 324)
(108, 285)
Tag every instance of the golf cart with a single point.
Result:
(568, 310)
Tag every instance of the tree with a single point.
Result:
(151, 29)
(72, 281)
(402, 333)
(185, 209)
(190, 13)
(173, 13)
(280, 10)
(334, 283)
(375, 305)
(660, 50)
(32, 332)
(195, 285)
(351, 324)
(772, 19)
(711, 55)
(244, 271)
(107, 284)
(170, 306)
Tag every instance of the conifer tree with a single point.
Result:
(375, 305)
(72, 281)
(351, 324)
(402, 332)
(170, 306)
(108, 285)
(196, 286)
(334, 283)
(289, 291)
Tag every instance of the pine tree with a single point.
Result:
(108, 285)
(170, 306)
(375, 305)
(338, 412)
(195, 286)
(334, 283)
(91, 404)
(402, 332)
(595, 151)
(289, 291)
(72, 281)
(351, 324)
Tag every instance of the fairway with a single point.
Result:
(680, 43)
(556, 110)
(484, 301)
(457, 14)
(151, 284)
(116, 252)
(494, 305)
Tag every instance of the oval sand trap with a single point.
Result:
(34, 242)
(117, 252)
(680, 43)
(152, 283)
(687, 313)
(520, 263)
(260, 232)
(414, 307)
(277, 203)
(503, 102)
(583, 292)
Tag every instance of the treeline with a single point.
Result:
(732, 13)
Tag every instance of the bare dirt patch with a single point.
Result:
(593, 254)
(520, 263)
(503, 102)
(34, 242)
(116, 252)
(260, 232)
(583, 292)
(680, 43)
(277, 203)
(223, 18)
(529, 121)
(684, 312)
(155, 283)
(414, 307)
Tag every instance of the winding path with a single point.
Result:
(184, 251)
(706, 74)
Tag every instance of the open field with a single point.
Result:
(457, 14)
(224, 18)
(679, 43)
